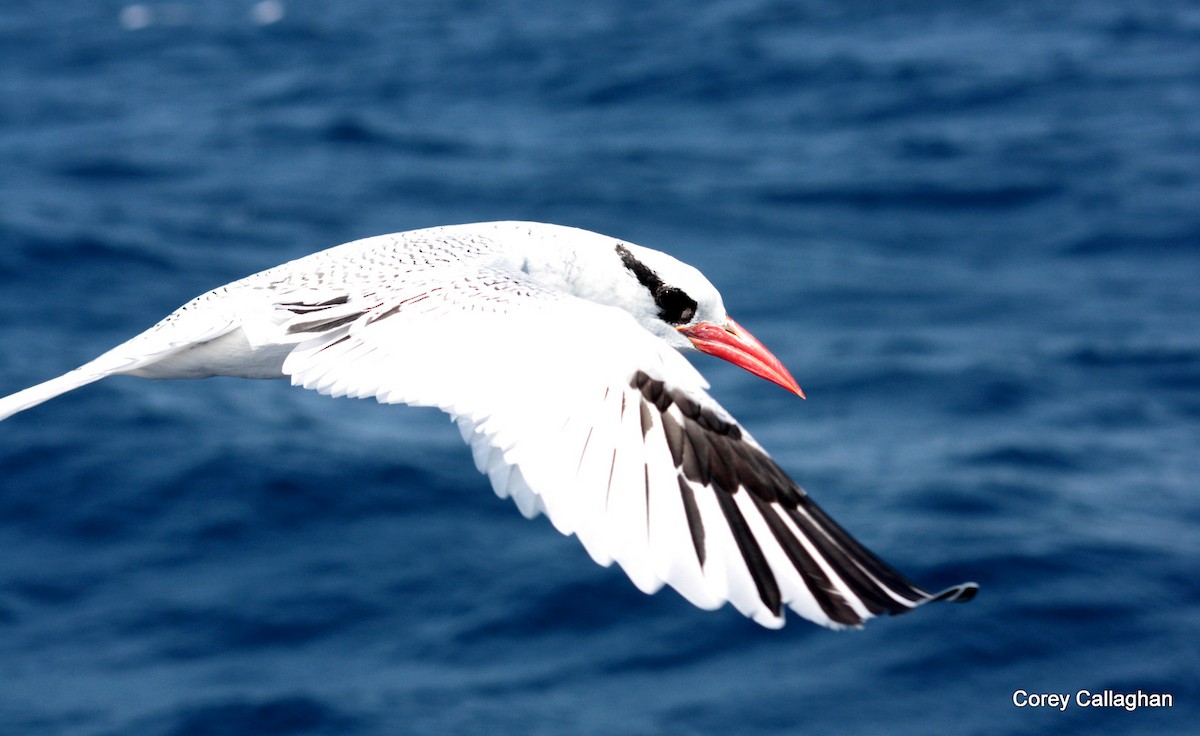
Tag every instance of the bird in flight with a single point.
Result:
(557, 351)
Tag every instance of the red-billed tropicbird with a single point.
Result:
(557, 352)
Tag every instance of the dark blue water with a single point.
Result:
(972, 230)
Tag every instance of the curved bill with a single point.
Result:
(733, 343)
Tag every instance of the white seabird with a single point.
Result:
(557, 352)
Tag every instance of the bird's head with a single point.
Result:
(677, 303)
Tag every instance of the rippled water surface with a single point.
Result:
(972, 231)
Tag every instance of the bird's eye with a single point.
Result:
(674, 306)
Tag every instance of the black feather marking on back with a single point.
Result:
(695, 524)
(583, 453)
(831, 602)
(858, 560)
(338, 341)
(612, 469)
(306, 307)
(646, 475)
(756, 561)
(647, 418)
(710, 451)
(323, 325)
(675, 443)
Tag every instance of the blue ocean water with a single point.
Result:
(971, 230)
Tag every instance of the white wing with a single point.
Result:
(573, 410)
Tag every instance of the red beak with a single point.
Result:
(733, 343)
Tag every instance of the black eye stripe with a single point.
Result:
(645, 276)
(674, 305)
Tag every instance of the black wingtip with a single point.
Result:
(958, 594)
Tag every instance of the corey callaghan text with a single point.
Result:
(1088, 699)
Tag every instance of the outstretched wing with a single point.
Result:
(575, 411)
